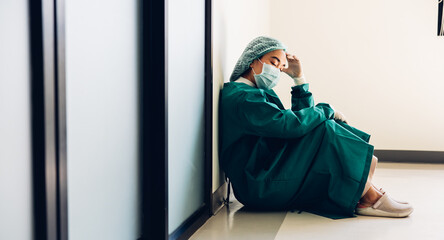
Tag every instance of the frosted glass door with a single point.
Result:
(186, 73)
(102, 119)
(15, 122)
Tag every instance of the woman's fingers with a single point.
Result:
(294, 66)
(340, 116)
(292, 57)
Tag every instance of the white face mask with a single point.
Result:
(269, 76)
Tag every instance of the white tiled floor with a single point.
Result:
(420, 184)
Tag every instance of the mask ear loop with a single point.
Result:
(253, 69)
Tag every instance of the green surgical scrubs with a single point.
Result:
(288, 159)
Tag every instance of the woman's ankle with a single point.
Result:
(371, 197)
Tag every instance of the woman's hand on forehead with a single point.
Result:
(294, 66)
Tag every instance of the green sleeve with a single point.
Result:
(262, 118)
(301, 98)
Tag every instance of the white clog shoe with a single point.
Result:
(386, 207)
(402, 202)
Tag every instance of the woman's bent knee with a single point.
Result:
(374, 161)
(375, 158)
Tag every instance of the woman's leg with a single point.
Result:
(370, 194)
(370, 175)
(388, 206)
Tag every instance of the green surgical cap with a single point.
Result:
(255, 49)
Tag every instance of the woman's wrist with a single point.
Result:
(299, 80)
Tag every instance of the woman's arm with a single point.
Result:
(300, 97)
(262, 118)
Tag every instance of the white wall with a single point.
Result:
(15, 122)
(102, 114)
(186, 78)
(235, 24)
(379, 62)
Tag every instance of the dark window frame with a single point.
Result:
(440, 18)
(48, 119)
(153, 111)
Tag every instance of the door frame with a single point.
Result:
(48, 119)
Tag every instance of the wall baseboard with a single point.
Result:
(217, 199)
(191, 225)
(195, 221)
(407, 156)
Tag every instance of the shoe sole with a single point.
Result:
(380, 213)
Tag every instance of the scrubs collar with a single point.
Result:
(246, 81)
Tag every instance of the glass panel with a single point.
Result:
(186, 61)
(15, 122)
(102, 119)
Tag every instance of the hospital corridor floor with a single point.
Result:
(422, 185)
